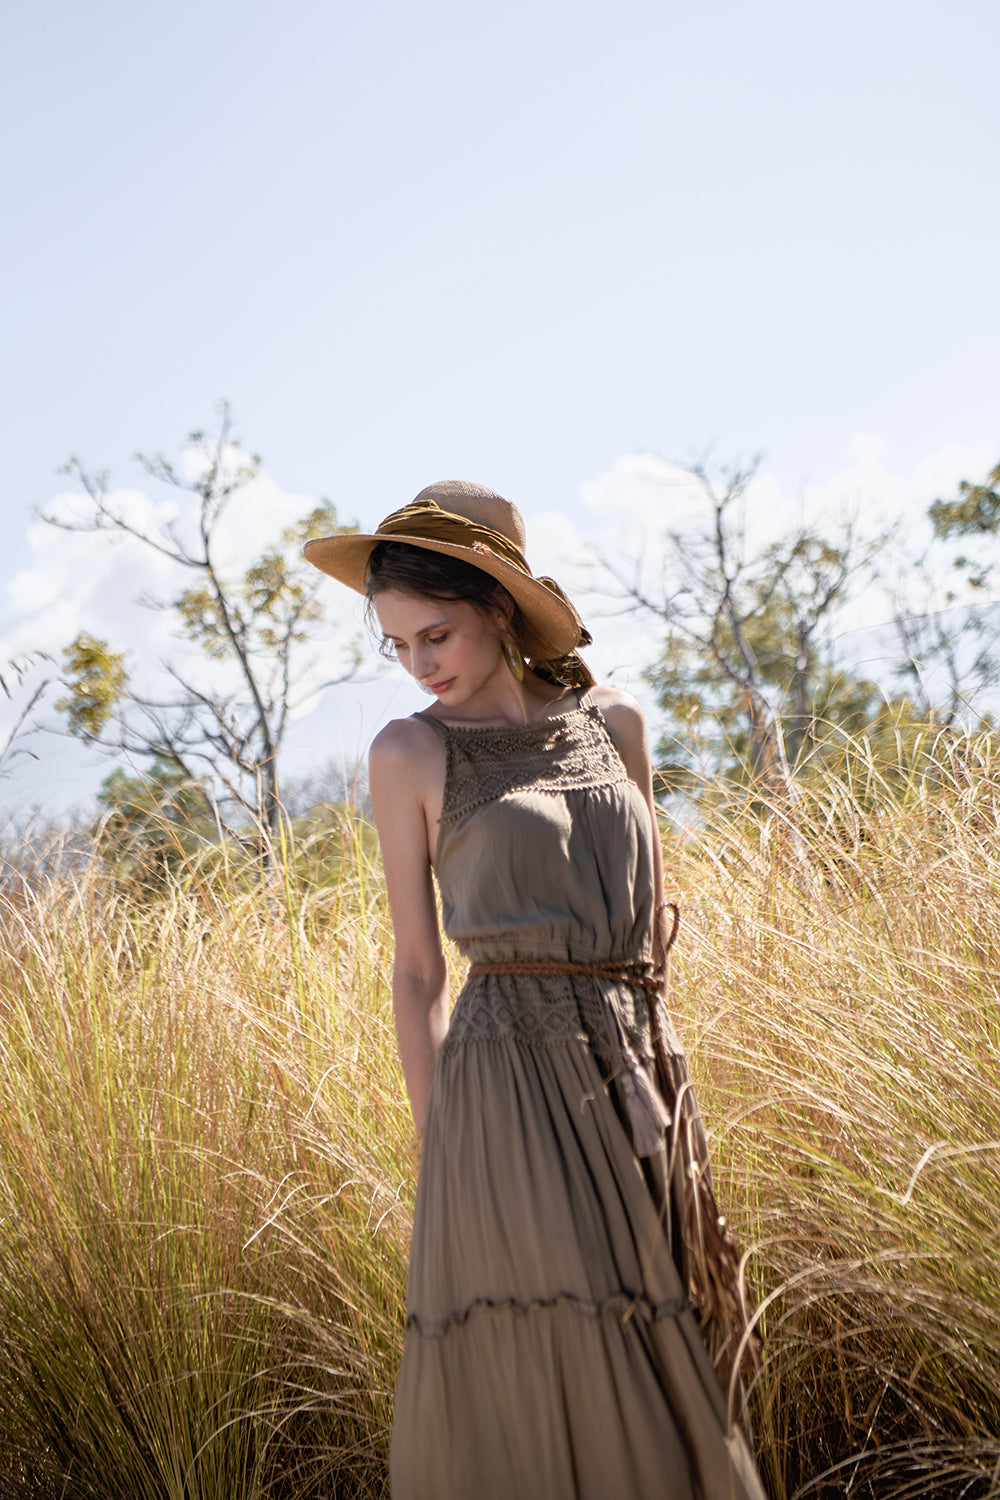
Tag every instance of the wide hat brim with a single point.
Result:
(551, 626)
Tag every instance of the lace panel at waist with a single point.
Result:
(544, 1009)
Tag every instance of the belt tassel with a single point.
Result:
(647, 1114)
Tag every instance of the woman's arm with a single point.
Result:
(402, 758)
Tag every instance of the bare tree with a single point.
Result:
(948, 627)
(25, 691)
(947, 649)
(744, 634)
(255, 625)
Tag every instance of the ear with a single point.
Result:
(502, 609)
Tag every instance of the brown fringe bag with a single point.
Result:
(712, 1262)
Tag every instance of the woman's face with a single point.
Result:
(450, 647)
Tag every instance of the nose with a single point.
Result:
(422, 662)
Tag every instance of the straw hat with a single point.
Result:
(473, 523)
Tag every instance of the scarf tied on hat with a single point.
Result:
(424, 518)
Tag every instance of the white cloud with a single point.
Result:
(82, 581)
(628, 510)
(626, 513)
(641, 493)
(96, 581)
(649, 494)
(77, 581)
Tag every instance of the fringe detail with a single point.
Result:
(647, 1114)
(714, 1261)
(719, 1290)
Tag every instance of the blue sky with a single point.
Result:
(517, 243)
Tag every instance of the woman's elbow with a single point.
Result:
(418, 982)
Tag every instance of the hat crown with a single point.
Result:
(476, 525)
(477, 503)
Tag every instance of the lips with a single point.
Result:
(441, 687)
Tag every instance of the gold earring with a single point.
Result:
(512, 657)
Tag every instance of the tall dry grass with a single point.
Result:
(206, 1176)
(204, 1186)
(838, 984)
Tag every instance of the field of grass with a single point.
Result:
(206, 1171)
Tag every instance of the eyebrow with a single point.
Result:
(438, 625)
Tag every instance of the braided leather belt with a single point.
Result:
(623, 973)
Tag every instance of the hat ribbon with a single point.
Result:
(586, 638)
(426, 519)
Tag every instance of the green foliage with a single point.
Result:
(253, 626)
(326, 838)
(271, 607)
(97, 679)
(975, 513)
(744, 676)
(951, 646)
(706, 710)
(153, 824)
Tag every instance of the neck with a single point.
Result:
(508, 703)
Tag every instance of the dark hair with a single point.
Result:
(433, 575)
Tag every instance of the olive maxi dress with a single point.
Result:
(550, 1351)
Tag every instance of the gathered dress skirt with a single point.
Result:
(551, 1352)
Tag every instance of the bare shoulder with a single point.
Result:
(622, 711)
(406, 775)
(627, 727)
(401, 741)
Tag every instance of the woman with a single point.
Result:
(551, 1348)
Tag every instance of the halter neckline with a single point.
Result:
(581, 706)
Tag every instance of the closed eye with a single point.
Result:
(390, 647)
